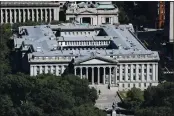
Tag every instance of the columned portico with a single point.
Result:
(96, 74)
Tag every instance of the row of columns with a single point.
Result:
(137, 75)
(98, 75)
(15, 15)
(59, 69)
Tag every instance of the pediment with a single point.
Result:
(95, 61)
(86, 12)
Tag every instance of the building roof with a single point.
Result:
(44, 43)
(105, 6)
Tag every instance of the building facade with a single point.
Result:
(171, 26)
(93, 13)
(22, 11)
(106, 55)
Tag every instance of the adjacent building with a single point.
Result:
(169, 25)
(93, 13)
(22, 11)
(106, 55)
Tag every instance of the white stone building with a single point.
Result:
(171, 25)
(22, 11)
(94, 14)
(106, 55)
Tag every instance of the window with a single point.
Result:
(128, 85)
(133, 85)
(118, 77)
(123, 85)
(144, 84)
(123, 78)
(134, 77)
(150, 84)
(139, 84)
(107, 20)
(145, 78)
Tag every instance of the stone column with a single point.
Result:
(31, 70)
(98, 75)
(11, 16)
(15, 16)
(63, 68)
(142, 72)
(156, 72)
(75, 70)
(45, 15)
(81, 68)
(126, 72)
(147, 73)
(115, 80)
(32, 14)
(2, 16)
(19, 16)
(28, 13)
(35, 70)
(41, 14)
(51, 69)
(57, 72)
(91, 20)
(137, 73)
(104, 74)
(46, 69)
(50, 15)
(6, 17)
(37, 17)
(40, 69)
(86, 72)
(131, 72)
(24, 18)
(110, 75)
(56, 13)
(153, 72)
(121, 77)
(80, 20)
(92, 75)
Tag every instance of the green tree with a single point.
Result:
(133, 99)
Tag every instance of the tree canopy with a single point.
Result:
(47, 95)
(155, 101)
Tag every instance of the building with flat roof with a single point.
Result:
(22, 11)
(107, 55)
(94, 13)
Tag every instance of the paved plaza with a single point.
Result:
(106, 98)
